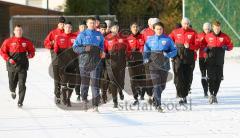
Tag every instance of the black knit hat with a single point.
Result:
(68, 22)
(61, 19)
(82, 22)
(97, 17)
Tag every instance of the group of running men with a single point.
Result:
(96, 56)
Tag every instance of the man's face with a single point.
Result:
(61, 26)
(216, 29)
(67, 28)
(185, 24)
(91, 24)
(134, 29)
(82, 28)
(97, 23)
(158, 30)
(103, 31)
(18, 32)
(114, 29)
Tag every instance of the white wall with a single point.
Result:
(53, 4)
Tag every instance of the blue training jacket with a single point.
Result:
(158, 50)
(160, 43)
(88, 38)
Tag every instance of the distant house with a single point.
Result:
(8, 9)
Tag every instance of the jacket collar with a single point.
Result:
(135, 35)
(217, 34)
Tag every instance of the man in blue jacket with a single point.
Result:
(157, 51)
(89, 46)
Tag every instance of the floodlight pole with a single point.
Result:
(183, 8)
(47, 7)
(47, 15)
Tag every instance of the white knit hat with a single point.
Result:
(154, 20)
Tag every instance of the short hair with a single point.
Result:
(115, 24)
(61, 19)
(18, 25)
(208, 25)
(216, 23)
(70, 23)
(133, 23)
(103, 25)
(83, 22)
(91, 18)
(185, 19)
(158, 24)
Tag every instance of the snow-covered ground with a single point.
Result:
(40, 117)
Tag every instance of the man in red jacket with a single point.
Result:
(202, 56)
(184, 63)
(49, 43)
(135, 61)
(81, 27)
(16, 51)
(217, 43)
(104, 81)
(115, 47)
(67, 63)
(147, 32)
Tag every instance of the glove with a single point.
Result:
(11, 61)
(186, 45)
(87, 48)
(29, 56)
(55, 50)
(102, 55)
(165, 54)
(107, 56)
(146, 61)
(52, 42)
(224, 47)
(173, 59)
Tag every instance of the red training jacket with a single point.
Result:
(64, 41)
(14, 45)
(147, 32)
(220, 40)
(49, 40)
(202, 45)
(114, 43)
(136, 42)
(181, 36)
